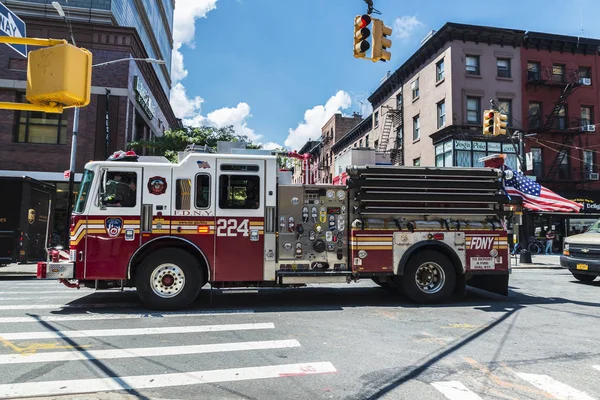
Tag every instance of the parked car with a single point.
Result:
(581, 254)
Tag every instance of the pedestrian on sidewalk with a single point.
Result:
(550, 235)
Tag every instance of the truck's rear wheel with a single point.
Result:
(429, 277)
(168, 279)
(583, 278)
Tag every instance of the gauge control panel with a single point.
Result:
(312, 228)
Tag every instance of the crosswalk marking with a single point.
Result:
(53, 306)
(74, 296)
(38, 283)
(134, 331)
(70, 291)
(455, 390)
(93, 317)
(145, 352)
(56, 388)
(554, 387)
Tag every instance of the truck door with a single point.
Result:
(156, 202)
(239, 222)
(113, 224)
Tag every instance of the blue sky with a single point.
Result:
(278, 69)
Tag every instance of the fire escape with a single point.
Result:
(557, 120)
(392, 124)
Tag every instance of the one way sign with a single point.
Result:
(11, 25)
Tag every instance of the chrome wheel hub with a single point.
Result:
(430, 277)
(167, 280)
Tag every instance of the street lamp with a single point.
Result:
(148, 60)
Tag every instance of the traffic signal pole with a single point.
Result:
(67, 237)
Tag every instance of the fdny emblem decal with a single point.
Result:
(482, 243)
(113, 226)
(203, 164)
(157, 185)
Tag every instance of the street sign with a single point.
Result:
(529, 161)
(11, 25)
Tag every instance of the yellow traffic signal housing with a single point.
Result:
(380, 41)
(59, 75)
(500, 121)
(361, 34)
(489, 117)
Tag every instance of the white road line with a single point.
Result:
(145, 352)
(455, 390)
(554, 387)
(65, 290)
(91, 317)
(134, 331)
(39, 283)
(66, 387)
(36, 298)
(53, 306)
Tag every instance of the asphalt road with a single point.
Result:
(334, 342)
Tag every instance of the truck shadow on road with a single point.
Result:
(313, 299)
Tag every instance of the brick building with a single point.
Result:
(333, 130)
(130, 99)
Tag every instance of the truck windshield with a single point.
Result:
(84, 190)
(595, 228)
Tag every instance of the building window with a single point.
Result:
(503, 67)
(367, 141)
(558, 73)
(203, 191)
(587, 116)
(376, 119)
(441, 114)
(563, 168)
(415, 89)
(360, 143)
(416, 128)
(439, 70)
(399, 101)
(183, 194)
(375, 144)
(355, 144)
(474, 110)
(588, 161)
(239, 192)
(417, 162)
(538, 166)
(533, 71)
(535, 115)
(505, 107)
(39, 127)
(561, 119)
(472, 63)
(585, 75)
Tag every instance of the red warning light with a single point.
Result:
(365, 20)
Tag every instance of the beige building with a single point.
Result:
(429, 111)
(333, 130)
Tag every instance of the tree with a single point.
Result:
(174, 141)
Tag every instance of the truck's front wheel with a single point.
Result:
(429, 277)
(168, 279)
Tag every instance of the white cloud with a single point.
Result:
(271, 146)
(405, 25)
(234, 116)
(315, 118)
(184, 106)
(184, 30)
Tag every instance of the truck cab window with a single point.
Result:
(239, 191)
(120, 189)
(202, 191)
(183, 197)
(84, 191)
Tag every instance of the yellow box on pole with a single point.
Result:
(59, 75)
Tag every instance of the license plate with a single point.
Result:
(583, 267)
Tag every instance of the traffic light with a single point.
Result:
(59, 75)
(380, 41)
(500, 122)
(361, 34)
(489, 117)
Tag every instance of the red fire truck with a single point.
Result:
(228, 220)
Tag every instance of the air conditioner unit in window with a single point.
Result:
(588, 128)
(592, 176)
(414, 85)
(585, 81)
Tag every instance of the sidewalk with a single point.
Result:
(22, 271)
(538, 261)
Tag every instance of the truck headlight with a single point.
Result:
(566, 251)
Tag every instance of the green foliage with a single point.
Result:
(175, 141)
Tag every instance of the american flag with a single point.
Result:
(538, 198)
